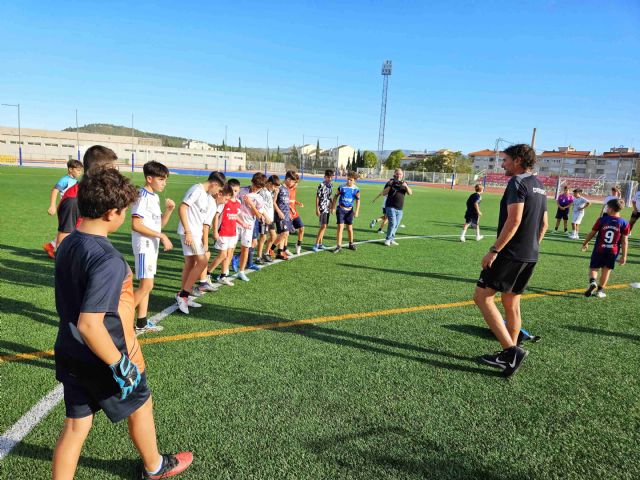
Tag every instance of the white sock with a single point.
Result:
(462, 234)
(53, 243)
(159, 466)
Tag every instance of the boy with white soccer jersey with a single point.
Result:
(323, 207)
(147, 221)
(227, 232)
(266, 227)
(196, 212)
(579, 205)
(616, 193)
(635, 203)
(611, 243)
(251, 208)
(74, 170)
(344, 202)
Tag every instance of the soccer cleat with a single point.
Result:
(207, 286)
(192, 303)
(387, 243)
(258, 261)
(150, 327)
(352, 247)
(462, 238)
(271, 253)
(589, 291)
(379, 231)
(322, 247)
(242, 276)
(316, 248)
(195, 292)
(183, 304)
(235, 263)
(254, 267)
(267, 258)
(298, 249)
(479, 237)
(394, 243)
(492, 359)
(600, 294)
(225, 281)
(372, 224)
(51, 251)
(172, 465)
(514, 361)
(282, 256)
(402, 225)
(337, 250)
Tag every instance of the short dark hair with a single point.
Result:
(216, 177)
(329, 173)
(291, 175)
(74, 164)
(524, 152)
(259, 180)
(274, 180)
(226, 191)
(352, 174)
(155, 169)
(577, 190)
(232, 182)
(97, 156)
(615, 204)
(477, 188)
(104, 190)
(220, 174)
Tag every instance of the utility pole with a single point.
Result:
(133, 156)
(386, 72)
(77, 135)
(533, 138)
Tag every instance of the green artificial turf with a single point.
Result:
(387, 396)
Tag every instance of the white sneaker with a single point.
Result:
(195, 292)
(462, 238)
(226, 281)
(207, 286)
(149, 328)
(183, 304)
(394, 243)
(600, 294)
(635, 285)
(192, 303)
(402, 225)
(298, 249)
(387, 243)
(372, 224)
(243, 276)
(479, 237)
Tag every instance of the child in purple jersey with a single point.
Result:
(565, 199)
(612, 232)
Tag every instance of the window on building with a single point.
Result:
(580, 171)
(49, 144)
(35, 143)
(599, 171)
(601, 162)
(69, 146)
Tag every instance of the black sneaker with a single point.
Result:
(352, 247)
(258, 261)
(492, 359)
(508, 360)
(267, 258)
(172, 465)
(337, 250)
(589, 291)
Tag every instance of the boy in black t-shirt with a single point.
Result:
(473, 214)
(98, 359)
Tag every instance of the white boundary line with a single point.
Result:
(16, 433)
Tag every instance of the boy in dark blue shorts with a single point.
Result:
(612, 232)
(343, 203)
(473, 214)
(98, 359)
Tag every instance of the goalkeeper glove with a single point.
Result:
(126, 375)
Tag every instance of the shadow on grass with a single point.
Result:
(473, 330)
(24, 309)
(606, 333)
(125, 469)
(11, 348)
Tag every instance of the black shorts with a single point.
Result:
(284, 226)
(344, 216)
(297, 223)
(506, 275)
(68, 214)
(562, 214)
(84, 398)
(603, 260)
(263, 228)
(272, 226)
(324, 218)
(471, 218)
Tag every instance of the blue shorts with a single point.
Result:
(297, 223)
(256, 229)
(83, 398)
(284, 225)
(603, 260)
(344, 216)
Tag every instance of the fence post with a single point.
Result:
(133, 161)
(225, 167)
(484, 181)
(453, 180)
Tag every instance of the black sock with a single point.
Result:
(592, 280)
(600, 288)
(250, 257)
(184, 294)
(298, 243)
(222, 275)
(141, 322)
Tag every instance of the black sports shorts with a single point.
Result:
(324, 218)
(68, 215)
(562, 214)
(506, 275)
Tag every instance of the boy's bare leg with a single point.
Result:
(68, 447)
(186, 268)
(593, 273)
(203, 275)
(511, 304)
(272, 240)
(59, 237)
(261, 241)
(339, 234)
(244, 255)
(227, 261)
(350, 233)
(219, 260)
(300, 234)
(320, 236)
(484, 298)
(142, 431)
(604, 277)
(198, 263)
(141, 296)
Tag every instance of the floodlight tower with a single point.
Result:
(386, 72)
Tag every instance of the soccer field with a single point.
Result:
(356, 365)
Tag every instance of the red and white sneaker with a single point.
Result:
(50, 249)
(183, 304)
(172, 465)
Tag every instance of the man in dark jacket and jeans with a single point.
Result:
(395, 190)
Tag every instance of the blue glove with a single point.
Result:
(126, 375)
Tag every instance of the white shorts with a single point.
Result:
(577, 218)
(197, 248)
(245, 235)
(226, 243)
(146, 264)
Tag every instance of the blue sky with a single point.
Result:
(464, 73)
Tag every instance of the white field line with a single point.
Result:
(16, 433)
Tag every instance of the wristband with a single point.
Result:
(493, 249)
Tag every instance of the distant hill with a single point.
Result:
(107, 129)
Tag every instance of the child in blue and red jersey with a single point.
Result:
(611, 243)
(565, 199)
(345, 200)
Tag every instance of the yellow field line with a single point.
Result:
(292, 323)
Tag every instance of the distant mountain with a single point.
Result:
(107, 129)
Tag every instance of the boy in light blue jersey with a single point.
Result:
(344, 201)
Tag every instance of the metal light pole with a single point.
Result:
(77, 135)
(17, 105)
(133, 155)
